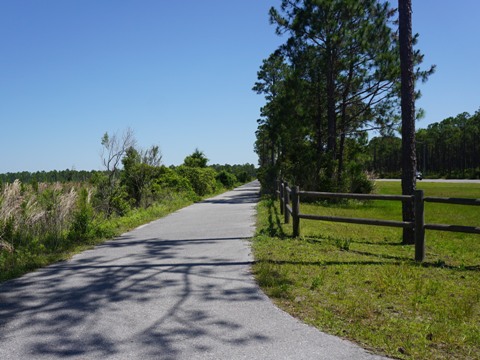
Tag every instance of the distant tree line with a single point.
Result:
(48, 176)
(242, 173)
(450, 149)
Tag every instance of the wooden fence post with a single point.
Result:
(296, 210)
(282, 190)
(286, 201)
(277, 188)
(419, 226)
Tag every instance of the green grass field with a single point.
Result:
(359, 282)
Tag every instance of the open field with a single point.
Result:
(360, 283)
(451, 181)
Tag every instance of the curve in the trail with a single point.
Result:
(177, 288)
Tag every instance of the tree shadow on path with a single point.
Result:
(98, 307)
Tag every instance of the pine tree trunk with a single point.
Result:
(319, 135)
(331, 113)
(409, 161)
(331, 123)
(341, 151)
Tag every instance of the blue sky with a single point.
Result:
(179, 73)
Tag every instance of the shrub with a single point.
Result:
(227, 179)
(202, 180)
(267, 176)
(358, 179)
(81, 226)
(170, 184)
(173, 181)
(110, 197)
(244, 177)
(196, 159)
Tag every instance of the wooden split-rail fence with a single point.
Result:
(290, 207)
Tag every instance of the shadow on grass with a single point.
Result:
(322, 263)
(274, 228)
(381, 243)
(396, 260)
(442, 265)
(382, 256)
(319, 239)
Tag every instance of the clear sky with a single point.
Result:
(179, 73)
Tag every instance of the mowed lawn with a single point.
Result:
(361, 283)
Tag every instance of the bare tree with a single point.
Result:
(114, 148)
(152, 156)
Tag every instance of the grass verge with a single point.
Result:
(360, 283)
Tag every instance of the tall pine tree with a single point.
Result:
(409, 159)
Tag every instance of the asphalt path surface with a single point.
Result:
(177, 288)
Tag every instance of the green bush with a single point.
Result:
(358, 180)
(244, 173)
(196, 159)
(170, 184)
(226, 179)
(202, 180)
(110, 197)
(81, 226)
(244, 177)
(173, 181)
(267, 176)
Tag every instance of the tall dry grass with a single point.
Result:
(11, 200)
(42, 212)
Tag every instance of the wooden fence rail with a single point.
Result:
(290, 207)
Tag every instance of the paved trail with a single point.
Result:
(177, 288)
